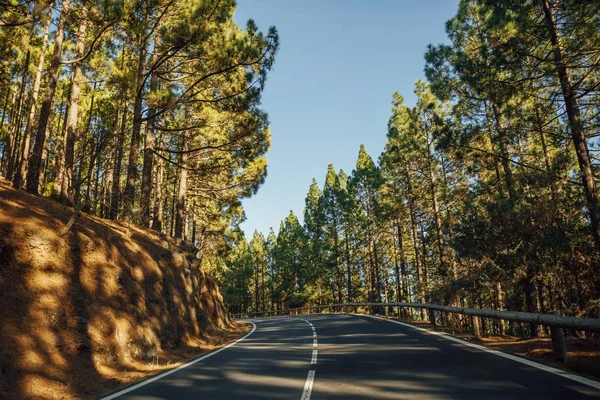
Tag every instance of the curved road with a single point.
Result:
(343, 356)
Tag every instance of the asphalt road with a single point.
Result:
(356, 357)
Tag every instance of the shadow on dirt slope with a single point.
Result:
(87, 311)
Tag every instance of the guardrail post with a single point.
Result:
(559, 347)
(432, 318)
(475, 325)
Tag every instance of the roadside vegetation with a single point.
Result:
(485, 195)
(137, 123)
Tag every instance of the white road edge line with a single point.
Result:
(197, 360)
(308, 385)
(552, 370)
(313, 360)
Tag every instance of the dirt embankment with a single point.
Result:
(86, 312)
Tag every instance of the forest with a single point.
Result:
(144, 111)
(485, 195)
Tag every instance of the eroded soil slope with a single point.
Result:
(102, 305)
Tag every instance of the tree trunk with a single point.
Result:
(262, 278)
(158, 197)
(377, 271)
(174, 204)
(547, 160)
(14, 156)
(8, 144)
(577, 133)
(348, 265)
(415, 237)
(500, 305)
(146, 189)
(65, 168)
(4, 108)
(115, 198)
(504, 156)
(530, 302)
(181, 192)
(22, 172)
(35, 163)
(444, 270)
(404, 277)
(93, 152)
(256, 288)
(129, 192)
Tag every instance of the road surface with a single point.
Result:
(343, 356)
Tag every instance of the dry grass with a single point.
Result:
(89, 311)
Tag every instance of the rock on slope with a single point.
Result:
(102, 305)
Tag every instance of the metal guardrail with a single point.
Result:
(582, 324)
(552, 319)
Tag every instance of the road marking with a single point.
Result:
(313, 360)
(308, 385)
(552, 370)
(197, 360)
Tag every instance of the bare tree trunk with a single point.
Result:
(158, 197)
(577, 133)
(146, 189)
(377, 271)
(262, 277)
(336, 244)
(93, 152)
(129, 192)
(22, 172)
(416, 246)
(79, 180)
(181, 192)
(67, 149)
(348, 265)
(4, 108)
(404, 286)
(256, 287)
(14, 155)
(115, 191)
(33, 172)
(194, 230)
(8, 144)
(500, 303)
(174, 203)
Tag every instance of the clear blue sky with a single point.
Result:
(331, 88)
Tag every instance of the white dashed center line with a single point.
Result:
(313, 360)
(308, 385)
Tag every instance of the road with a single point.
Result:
(342, 356)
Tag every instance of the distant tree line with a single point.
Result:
(145, 111)
(485, 195)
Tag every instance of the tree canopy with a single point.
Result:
(146, 111)
(486, 192)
